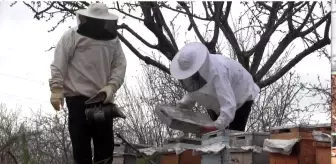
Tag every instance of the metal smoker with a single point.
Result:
(97, 112)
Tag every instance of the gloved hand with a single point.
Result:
(184, 105)
(186, 102)
(207, 129)
(109, 90)
(57, 98)
(222, 122)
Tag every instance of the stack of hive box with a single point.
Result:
(174, 151)
(180, 151)
(303, 150)
(214, 148)
(246, 148)
(210, 149)
(124, 154)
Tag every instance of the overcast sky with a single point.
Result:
(24, 62)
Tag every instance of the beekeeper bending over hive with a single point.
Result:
(222, 85)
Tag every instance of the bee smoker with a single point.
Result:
(98, 112)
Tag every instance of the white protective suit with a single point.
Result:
(83, 66)
(228, 87)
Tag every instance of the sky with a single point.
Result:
(24, 62)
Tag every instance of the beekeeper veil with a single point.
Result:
(191, 66)
(96, 22)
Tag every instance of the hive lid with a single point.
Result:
(185, 140)
(185, 120)
(249, 133)
(302, 126)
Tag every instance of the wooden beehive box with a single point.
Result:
(323, 153)
(186, 157)
(333, 155)
(124, 154)
(220, 158)
(303, 152)
(243, 139)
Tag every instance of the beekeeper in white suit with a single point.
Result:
(218, 83)
(88, 59)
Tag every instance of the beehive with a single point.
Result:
(216, 138)
(186, 157)
(323, 153)
(253, 140)
(303, 152)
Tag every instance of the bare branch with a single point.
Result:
(165, 26)
(192, 21)
(125, 26)
(319, 23)
(127, 14)
(263, 4)
(212, 44)
(210, 8)
(260, 47)
(206, 9)
(304, 22)
(164, 44)
(294, 61)
(228, 33)
(37, 13)
(290, 18)
(146, 59)
(189, 14)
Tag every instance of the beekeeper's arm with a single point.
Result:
(59, 68)
(118, 71)
(226, 100)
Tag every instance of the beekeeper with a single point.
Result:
(220, 84)
(88, 59)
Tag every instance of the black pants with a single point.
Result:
(240, 120)
(81, 133)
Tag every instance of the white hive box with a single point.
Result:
(218, 143)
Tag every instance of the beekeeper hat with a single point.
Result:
(188, 60)
(98, 11)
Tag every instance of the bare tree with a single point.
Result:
(322, 91)
(251, 39)
(53, 144)
(8, 134)
(262, 35)
(142, 126)
(263, 20)
(278, 105)
(14, 136)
